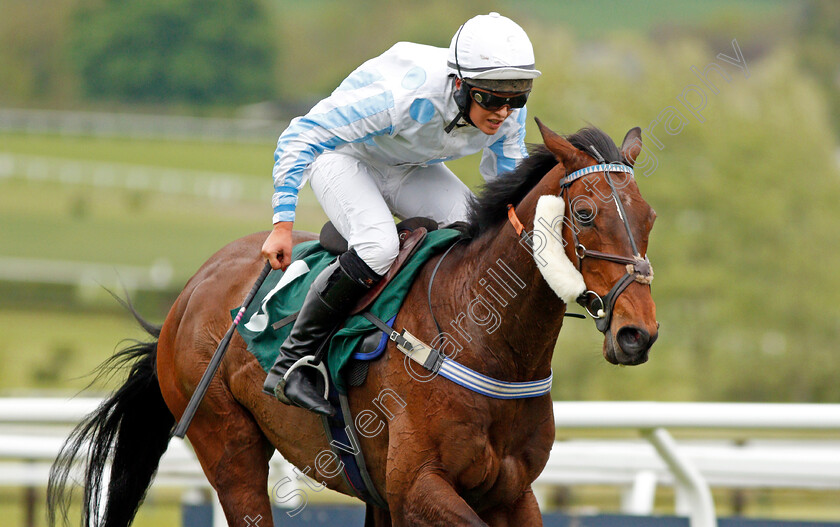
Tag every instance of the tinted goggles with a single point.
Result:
(493, 101)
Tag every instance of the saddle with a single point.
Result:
(411, 233)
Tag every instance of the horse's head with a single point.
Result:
(595, 206)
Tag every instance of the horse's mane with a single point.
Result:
(489, 207)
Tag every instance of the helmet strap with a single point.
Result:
(452, 124)
(462, 100)
(461, 95)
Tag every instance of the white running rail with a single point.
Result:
(33, 429)
(652, 419)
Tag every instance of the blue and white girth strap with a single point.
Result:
(436, 362)
(479, 383)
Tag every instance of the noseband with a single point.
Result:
(637, 268)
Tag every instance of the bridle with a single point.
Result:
(638, 269)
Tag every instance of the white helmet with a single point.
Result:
(491, 47)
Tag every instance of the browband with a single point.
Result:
(604, 167)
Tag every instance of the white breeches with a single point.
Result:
(362, 197)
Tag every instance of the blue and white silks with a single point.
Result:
(392, 110)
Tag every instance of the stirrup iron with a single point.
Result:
(319, 366)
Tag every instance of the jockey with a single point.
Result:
(375, 149)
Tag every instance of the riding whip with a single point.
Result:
(216, 360)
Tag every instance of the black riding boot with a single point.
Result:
(330, 298)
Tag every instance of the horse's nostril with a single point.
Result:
(633, 339)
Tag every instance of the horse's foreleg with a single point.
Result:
(524, 511)
(431, 500)
(234, 455)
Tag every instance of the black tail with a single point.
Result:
(131, 429)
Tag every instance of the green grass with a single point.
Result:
(120, 227)
(254, 159)
(53, 352)
(129, 226)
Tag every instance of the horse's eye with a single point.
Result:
(584, 216)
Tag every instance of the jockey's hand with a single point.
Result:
(277, 248)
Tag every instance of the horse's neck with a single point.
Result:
(515, 316)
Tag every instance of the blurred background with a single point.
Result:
(137, 138)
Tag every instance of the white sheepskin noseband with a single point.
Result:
(556, 268)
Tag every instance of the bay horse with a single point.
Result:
(444, 455)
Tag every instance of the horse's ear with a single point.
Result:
(632, 145)
(557, 144)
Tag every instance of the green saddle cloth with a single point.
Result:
(272, 303)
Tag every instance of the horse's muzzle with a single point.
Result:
(630, 347)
